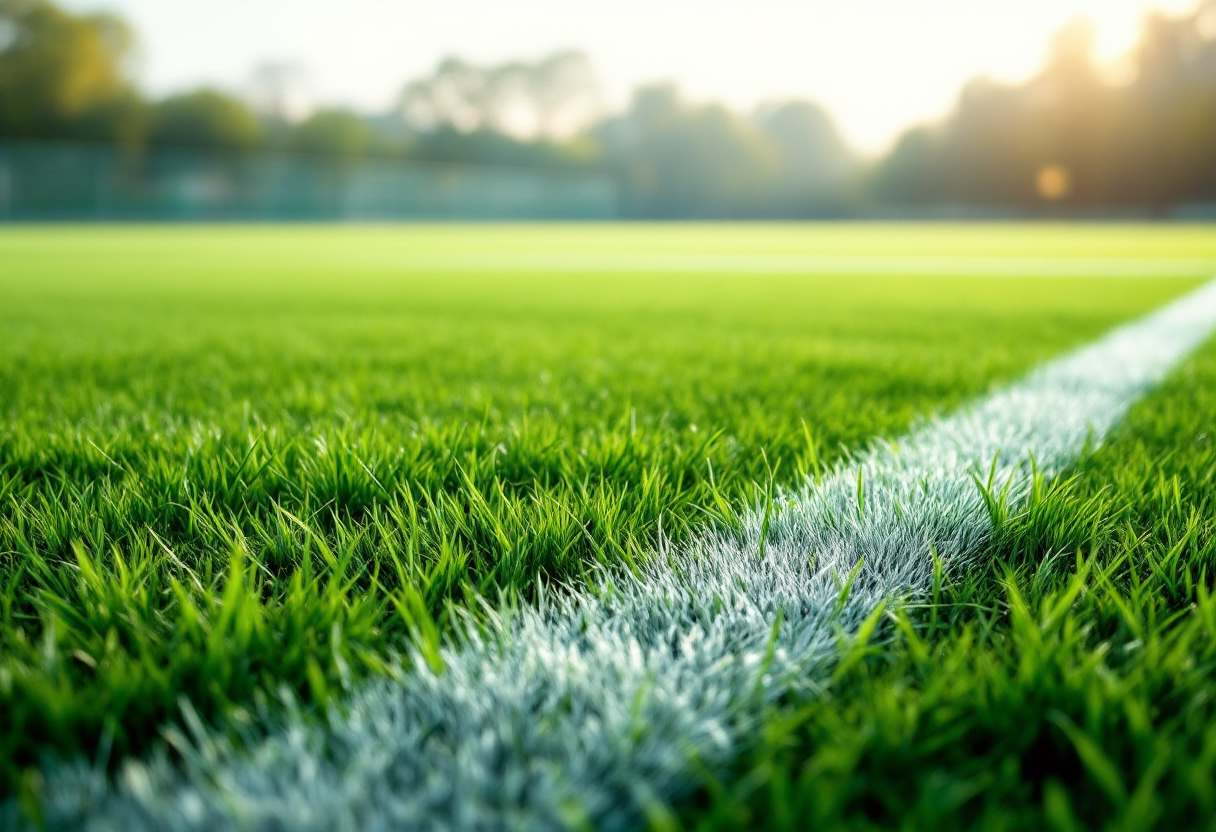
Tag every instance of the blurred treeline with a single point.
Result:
(1141, 134)
(1139, 137)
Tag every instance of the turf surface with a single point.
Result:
(1071, 686)
(235, 459)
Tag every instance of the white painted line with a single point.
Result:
(595, 703)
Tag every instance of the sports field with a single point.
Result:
(255, 482)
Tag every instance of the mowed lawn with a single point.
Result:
(241, 460)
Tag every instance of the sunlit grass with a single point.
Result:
(239, 460)
(1070, 686)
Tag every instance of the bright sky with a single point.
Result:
(878, 65)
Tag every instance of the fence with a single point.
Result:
(84, 182)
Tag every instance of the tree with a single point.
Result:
(673, 159)
(66, 76)
(1168, 115)
(817, 167)
(205, 118)
(555, 98)
(336, 133)
(1070, 135)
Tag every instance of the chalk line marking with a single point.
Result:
(592, 704)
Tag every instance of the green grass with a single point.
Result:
(1071, 686)
(238, 460)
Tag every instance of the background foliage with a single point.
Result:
(1137, 142)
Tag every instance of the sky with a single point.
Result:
(877, 65)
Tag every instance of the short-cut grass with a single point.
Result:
(240, 460)
(1071, 685)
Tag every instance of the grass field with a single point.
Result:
(1069, 686)
(235, 461)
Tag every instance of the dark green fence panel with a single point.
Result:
(83, 182)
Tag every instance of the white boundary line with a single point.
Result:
(593, 704)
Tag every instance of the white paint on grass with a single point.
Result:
(597, 704)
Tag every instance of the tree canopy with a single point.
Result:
(65, 75)
(205, 118)
(1073, 137)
